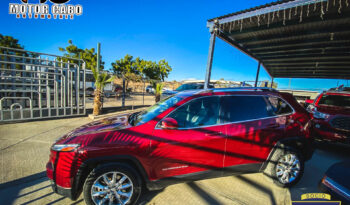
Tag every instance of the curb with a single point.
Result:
(93, 117)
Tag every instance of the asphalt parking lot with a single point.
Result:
(24, 151)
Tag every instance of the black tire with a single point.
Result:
(278, 158)
(110, 167)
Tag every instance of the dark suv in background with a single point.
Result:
(190, 136)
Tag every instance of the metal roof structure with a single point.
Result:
(290, 38)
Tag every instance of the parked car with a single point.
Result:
(189, 136)
(149, 89)
(336, 181)
(186, 86)
(331, 116)
(192, 86)
(89, 92)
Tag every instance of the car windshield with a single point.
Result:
(181, 87)
(335, 100)
(155, 110)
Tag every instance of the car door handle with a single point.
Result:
(213, 134)
(274, 125)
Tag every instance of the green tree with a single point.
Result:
(126, 68)
(9, 41)
(158, 89)
(88, 55)
(101, 79)
(90, 58)
(156, 71)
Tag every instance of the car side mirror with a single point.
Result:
(309, 101)
(169, 123)
(310, 108)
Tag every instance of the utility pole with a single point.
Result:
(98, 56)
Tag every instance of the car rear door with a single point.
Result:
(197, 146)
(251, 131)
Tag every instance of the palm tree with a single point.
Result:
(101, 79)
(158, 89)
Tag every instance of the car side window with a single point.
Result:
(242, 108)
(198, 112)
(279, 106)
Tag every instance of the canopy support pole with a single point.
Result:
(272, 82)
(257, 75)
(210, 55)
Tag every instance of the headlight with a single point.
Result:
(320, 115)
(64, 147)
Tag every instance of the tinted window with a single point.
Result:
(198, 112)
(278, 106)
(335, 100)
(240, 108)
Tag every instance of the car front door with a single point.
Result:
(196, 146)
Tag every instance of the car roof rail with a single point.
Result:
(245, 89)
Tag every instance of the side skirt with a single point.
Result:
(227, 171)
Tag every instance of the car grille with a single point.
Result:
(342, 123)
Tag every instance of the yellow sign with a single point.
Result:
(316, 199)
(315, 196)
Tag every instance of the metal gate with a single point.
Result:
(38, 85)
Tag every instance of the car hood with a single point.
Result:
(104, 125)
(333, 110)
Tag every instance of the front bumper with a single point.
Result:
(323, 131)
(66, 192)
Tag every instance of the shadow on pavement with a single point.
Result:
(259, 187)
(36, 189)
(33, 189)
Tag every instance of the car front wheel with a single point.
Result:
(112, 184)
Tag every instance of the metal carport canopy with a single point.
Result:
(290, 38)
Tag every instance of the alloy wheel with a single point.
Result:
(288, 168)
(112, 188)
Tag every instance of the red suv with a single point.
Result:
(331, 116)
(190, 136)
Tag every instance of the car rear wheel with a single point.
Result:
(112, 184)
(286, 167)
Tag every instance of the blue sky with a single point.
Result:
(153, 30)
